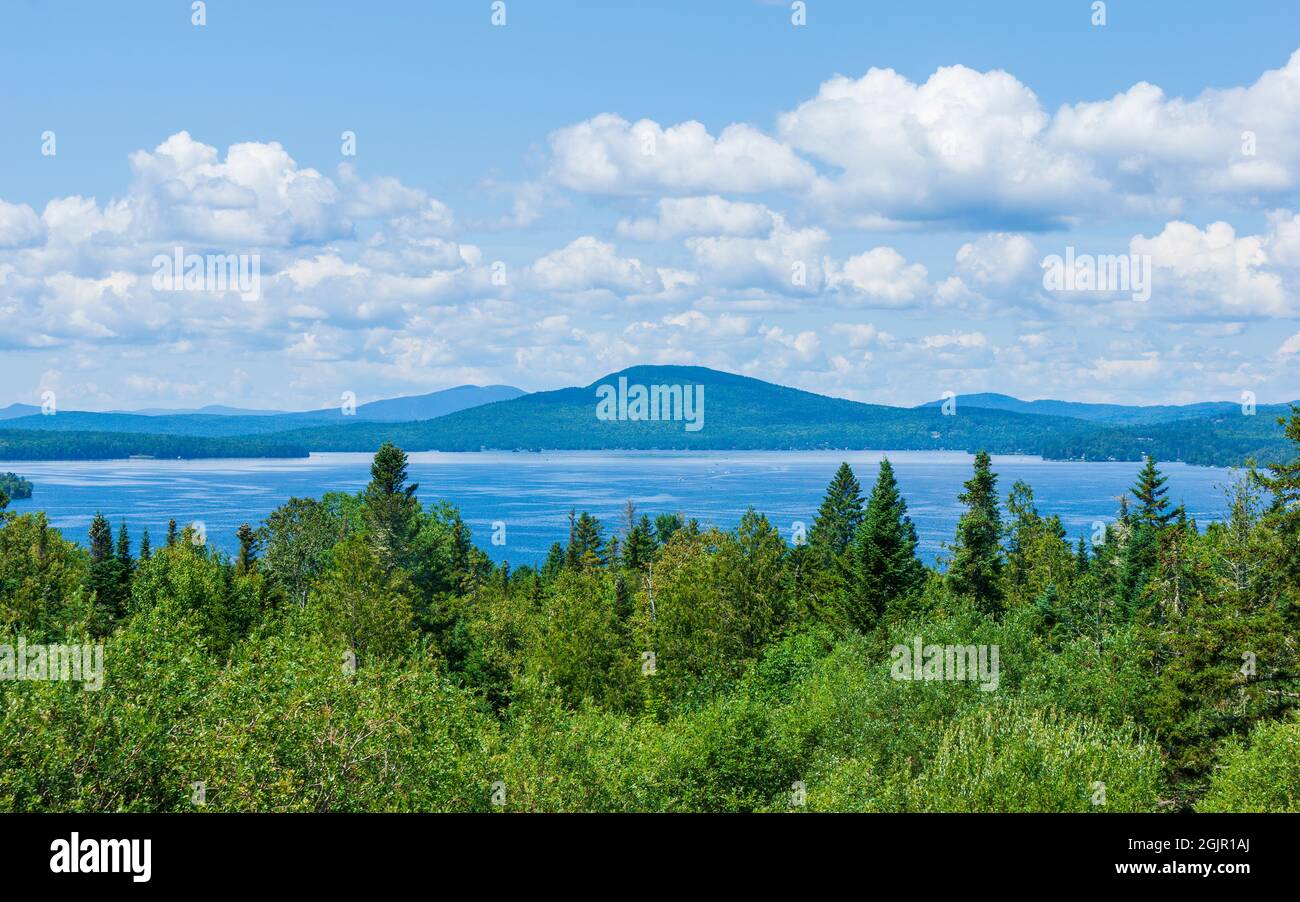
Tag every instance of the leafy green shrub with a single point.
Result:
(63, 748)
(285, 728)
(1263, 775)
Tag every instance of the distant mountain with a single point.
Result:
(424, 407)
(748, 414)
(1110, 413)
(217, 422)
(13, 411)
(739, 413)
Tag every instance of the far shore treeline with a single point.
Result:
(360, 653)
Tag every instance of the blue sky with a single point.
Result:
(596, 185)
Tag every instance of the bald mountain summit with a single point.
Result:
(676, 408)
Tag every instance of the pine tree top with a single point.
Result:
(981, 488)
(840, 512)
(388, 471)
(1150, 492)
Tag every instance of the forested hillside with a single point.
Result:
(737, 413)
(749, 414)
(1114, 414)
(361, 653)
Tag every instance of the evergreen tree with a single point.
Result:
(1150, 493)
(976, 569)
(126, 566)
(1142, 546)
(461, 547)
(105, 578)
(839, 515)
(1282, 481)
(1038, 557)
(665, 526)
(554, 562)
(101, 539)
(123, 550)
(1219, 638)
(623, 607)
(248, 548)
(640, 546)
(171, 532)
(882, 565)
(145, 551)
(587, 547)
(570, 547)
(391, 511)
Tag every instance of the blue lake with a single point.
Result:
(531, 493)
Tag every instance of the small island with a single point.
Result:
(14, 487)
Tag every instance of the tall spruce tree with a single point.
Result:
(105, 577)
(639, 548)
(1282, 481)
(1147, 521)
(624, 605)
(881, 564)
(1150, 493)
(976, 569)
(839, 516)
(587, 549)
(101, 539)
(248, 546)
(123, 550)
(554, 562)
(392, 511)
(125, 567)
(571, 547)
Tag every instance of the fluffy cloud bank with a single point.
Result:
(742, 249)
(968, 148)
(609, 155)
